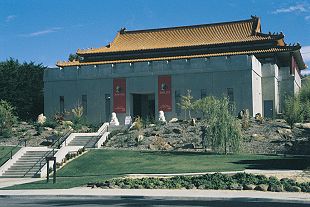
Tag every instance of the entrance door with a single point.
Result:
(144, 106)
(268, 108)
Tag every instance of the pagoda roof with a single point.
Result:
(207, 40)
(185, 36)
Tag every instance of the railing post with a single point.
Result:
(25, 142)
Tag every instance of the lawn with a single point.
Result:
(4, 150)
(98, 165)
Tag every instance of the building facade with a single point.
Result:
(142, 72)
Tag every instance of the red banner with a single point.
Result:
(119, 95)
(294, 66)
(164, 93)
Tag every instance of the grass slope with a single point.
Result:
(99, 165)
(3, 151)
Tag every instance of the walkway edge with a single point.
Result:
(202, 194)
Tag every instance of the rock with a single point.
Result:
(235, 186)
(261, 187)
(41, 119)
(249, 187)
(284, 131)
(48, 129)
(289, 144)
(276, 188)
(188, 146)
(152, 125)
(167, 146)
(152, 147)
(295, 189)
(302, 125)
(173, 120)
(140, 137)
(177, 130)
(201, 187)
(67, 123)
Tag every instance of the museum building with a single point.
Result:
(142, 72)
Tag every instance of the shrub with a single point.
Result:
(238, 181)
(138, 123)
(293, 111)
(7, 118)
(187, 103)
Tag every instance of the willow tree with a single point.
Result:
(221, 131)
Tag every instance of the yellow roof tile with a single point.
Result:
(207, 34)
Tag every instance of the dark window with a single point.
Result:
(177, 97)
(107, 107)
(230, 95)
(61, 104)
(84, 104)
(203, 93)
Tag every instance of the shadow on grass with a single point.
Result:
(278, 163)
(181, 153)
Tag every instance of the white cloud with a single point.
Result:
(10, 18)
(295, 8)
(307, 17)
(305, 72)
(42, 32)
(305, 52)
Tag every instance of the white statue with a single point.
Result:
(41, 119)
(114, 120)
(162, 117)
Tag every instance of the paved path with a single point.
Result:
(6, 182)
(83, 191)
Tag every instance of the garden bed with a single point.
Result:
(217, 181)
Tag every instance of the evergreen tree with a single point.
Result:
(22, 86)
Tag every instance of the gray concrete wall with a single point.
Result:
(270, 82)
(214, 75)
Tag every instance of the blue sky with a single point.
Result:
(46, 31)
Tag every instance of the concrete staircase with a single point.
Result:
(86, 141)
(25, 163)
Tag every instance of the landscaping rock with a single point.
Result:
(235, 186)
(48, 129)
(261, 187)
(295, 189)
(201, 187)
(302, 125)
(276, 188)
(173, 120)
(152, 147)
(249, 187)
(188, 146)
(177, 130)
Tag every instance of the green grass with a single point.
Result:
(3, 152)
(99, 165)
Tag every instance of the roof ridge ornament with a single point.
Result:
(122, 30)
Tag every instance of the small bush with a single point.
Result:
(7, 118)
(293, 111)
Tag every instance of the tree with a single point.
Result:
(221, 131)
(186, 103)
(22, 86)
(7, 118)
